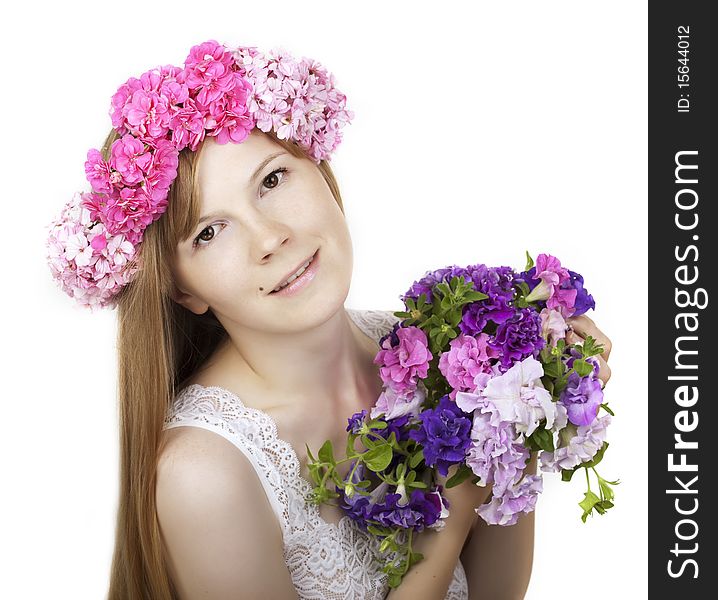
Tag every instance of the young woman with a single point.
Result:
(227, 373)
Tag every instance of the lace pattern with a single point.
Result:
(326, 561)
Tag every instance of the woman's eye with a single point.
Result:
(271, 181)
(201, 237)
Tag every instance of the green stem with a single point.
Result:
(588, 483)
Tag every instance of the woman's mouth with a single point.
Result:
(299, 280)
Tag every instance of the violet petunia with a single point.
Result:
(582, 398)
(445, 434)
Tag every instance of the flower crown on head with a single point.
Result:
(221, 92)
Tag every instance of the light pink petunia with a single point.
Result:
(466, 357)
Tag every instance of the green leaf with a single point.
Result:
(566, 474)
(590, 347)
(541, 439)
(368, 442)
(608, 410)
(380, 531)
(416, 459)
(462, 473)
(587, 504)
(582, 367)
(474, 296)
(378, 458)
(606, 489)
(326, 453)
(529, 261)
(551, 369)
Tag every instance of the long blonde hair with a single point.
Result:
(160, 344)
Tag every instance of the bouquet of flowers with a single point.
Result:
(477, 374)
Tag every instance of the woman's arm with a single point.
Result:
(431, 577)
(498, 560)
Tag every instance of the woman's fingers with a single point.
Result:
(585, 326)
(604, 371)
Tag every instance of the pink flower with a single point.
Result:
(98, 172)
(551, 274)
(187, 125)
(228, 115)
(130, 211)
(89, 270)
(130, 158)
(294, 98)
(553, 325)
(563, 300)
(147, 115)
(407, 361)
(466, 357)
(163, 170)
(209, 72)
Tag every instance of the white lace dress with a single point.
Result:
(326, 561)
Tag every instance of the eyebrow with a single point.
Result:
(254, 176)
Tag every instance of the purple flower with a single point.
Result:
(519, 337)
(584, 300)
(356, 421)
(582, 398)
(397, 426)
(445, 434)
(497, 284)
(576, 445)
(495, 454)
(504, 509)
(426, 284)
(422, 510)
(357, 506)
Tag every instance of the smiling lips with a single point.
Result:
(296, 273)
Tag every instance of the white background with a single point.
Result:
(482, 130)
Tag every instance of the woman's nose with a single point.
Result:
(267, 235)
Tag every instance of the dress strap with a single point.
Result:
(253, 432)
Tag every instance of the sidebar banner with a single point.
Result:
(682, 340)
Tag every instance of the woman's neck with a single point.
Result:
(330, 367)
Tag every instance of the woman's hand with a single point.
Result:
(583, 326)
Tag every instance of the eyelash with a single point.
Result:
(196, 242)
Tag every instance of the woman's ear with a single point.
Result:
(190, 302)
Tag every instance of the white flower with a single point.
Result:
(519, 397)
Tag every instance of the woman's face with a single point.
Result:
(268, 211)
